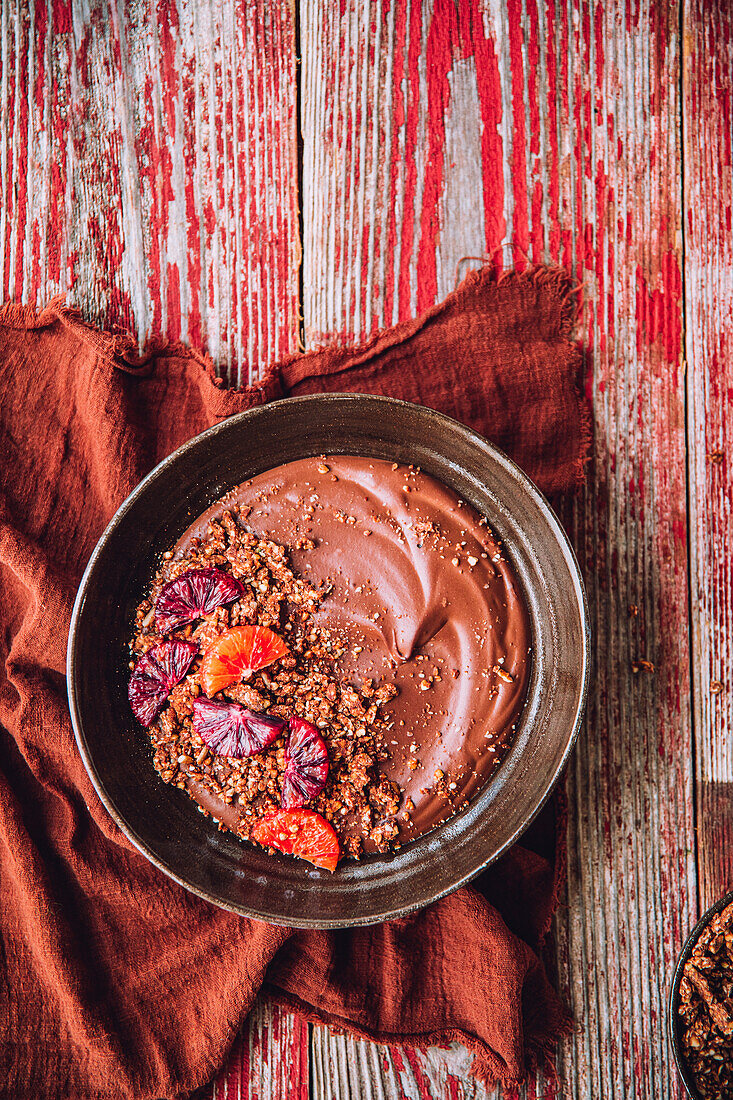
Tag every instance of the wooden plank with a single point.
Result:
(269, 1060)
(149, 154)
(631, 836)
(372, 192)
(708, 84)
(344, 1066)
(576, 160)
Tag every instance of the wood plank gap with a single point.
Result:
(689, 446)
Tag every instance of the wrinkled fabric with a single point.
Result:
(114, 981)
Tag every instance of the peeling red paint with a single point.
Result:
(442, 44)
(406, 230)
(658, 309)
(488, 81)
(518, 160)
(21, 164)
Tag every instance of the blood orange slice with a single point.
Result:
(301, 833)
(156, 674)
(243, 649)
(192, 595)
(306, 764)
(231, 730)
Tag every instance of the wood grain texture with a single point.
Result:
(434, 132)
(708, 84)
(149, 169)
(269, 1060)
(149, 160)
(345, 1066)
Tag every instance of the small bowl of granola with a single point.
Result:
(701, 1006)
(329, 659)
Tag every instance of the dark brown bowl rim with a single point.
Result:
(674, 993)
(527, 486)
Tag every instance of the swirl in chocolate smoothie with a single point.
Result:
(425, 599)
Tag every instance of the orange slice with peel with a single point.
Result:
(241, 650)
(301, 833)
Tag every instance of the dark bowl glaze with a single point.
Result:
(674, 995)
(164, 823)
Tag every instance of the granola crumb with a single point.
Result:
(306, 684)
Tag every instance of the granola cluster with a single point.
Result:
(705, 1010)
(358, 800)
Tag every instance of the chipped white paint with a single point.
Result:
(343, 1066)
(462, 229)
(152, 198)
(496, 19)
(708, 83)
(269, 1061)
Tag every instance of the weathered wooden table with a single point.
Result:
(253, 177)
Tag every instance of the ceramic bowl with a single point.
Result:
(674, 996)
(164, 823)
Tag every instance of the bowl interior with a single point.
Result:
(163, 822)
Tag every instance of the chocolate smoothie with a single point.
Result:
(421, 594)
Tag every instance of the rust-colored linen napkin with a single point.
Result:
(115, 982)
